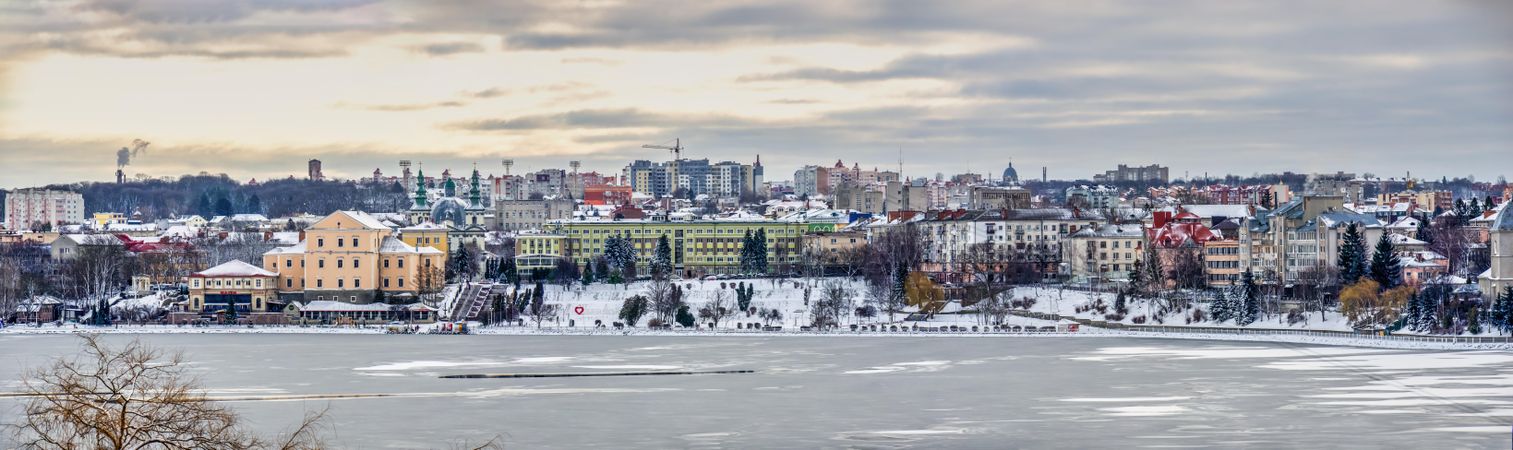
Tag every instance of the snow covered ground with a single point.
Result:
(578, 307)
(1065, 302)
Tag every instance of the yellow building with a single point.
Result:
(698, 247)
(535, 251)
(234, 285)
(426, 235)
(105, 218)
(351, 256)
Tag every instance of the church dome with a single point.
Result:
(449, 209)
(1010, 175)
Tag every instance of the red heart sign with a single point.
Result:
(578, 310)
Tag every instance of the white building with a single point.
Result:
(27, 207)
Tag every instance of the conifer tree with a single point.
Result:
(1220, 308)
(1250, 302)
(1352, 257)
(661, 262)
(588, 273)
(1386, 269)
(1502, 311)
(759, 255)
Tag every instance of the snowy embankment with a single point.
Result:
(176, 329)
(1075, 303)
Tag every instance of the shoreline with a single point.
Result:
(1086, 332)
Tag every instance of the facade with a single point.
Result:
(1037, 234)
(351, 256)
(1096, 196)
(234, 286)
(1105, 252)
(997, 197)
(1151, 173)
(1499, 275)
(1222, 264)
(427, 235)
(811, 180)
(27, 208)
(538, 251)
(520, 215)
(698, 247)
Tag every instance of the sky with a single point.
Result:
(255, 88)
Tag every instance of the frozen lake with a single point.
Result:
(844, 392)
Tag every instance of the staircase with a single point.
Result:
(470, 300)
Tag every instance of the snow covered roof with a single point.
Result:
(1504, 219)
(234, 268)
(393, 245)
(1398, 239)
(332, 306)
(1405, 222)
(1128, 230)
(366, 220)
(293, 249)
(1211, 211)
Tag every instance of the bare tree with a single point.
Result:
(665, 298)
(717, 308)
(131, 398)
(834, 302)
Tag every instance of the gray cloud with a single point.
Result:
(1363, 85)
(450, 48)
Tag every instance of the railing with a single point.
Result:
(1268, 331)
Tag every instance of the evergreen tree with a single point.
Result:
(1474, 209)
(588, 274)
(601, 268)
(204, 207)
(1266, 199)
(1386, 269)
(223, 207)
(684, 317)
(510, 272)
(1119, 303)
(620, 255)
(743, 295)
(747, 250)
(1154, 274)
(759, 255)
(1250, 306)
(1137, 277)
(1352, 257)
(1502, 311)
(633, 309)
(661, 262)
(900, 280)
(1461, 211)
(1220, 309)
(1473, 319)
(1423, 234)
(254, 204)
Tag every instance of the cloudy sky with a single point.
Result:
(253, 88)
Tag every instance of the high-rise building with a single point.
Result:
(1153, 173)
(29, 208)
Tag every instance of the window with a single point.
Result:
(320, 242)
(289, 262)
(338, 263)
(340, 283)
(386, 263)
(339, 242)
(357, 282)
(320, 282)
(401, 282)
(320, 263)
(401, 263)
(386, 282)
(289, 282)
(355, 263)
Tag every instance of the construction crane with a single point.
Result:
(676, 148)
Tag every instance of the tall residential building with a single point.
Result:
(811, 180)
(1124, 173)
(26, 209)
(698, 247)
